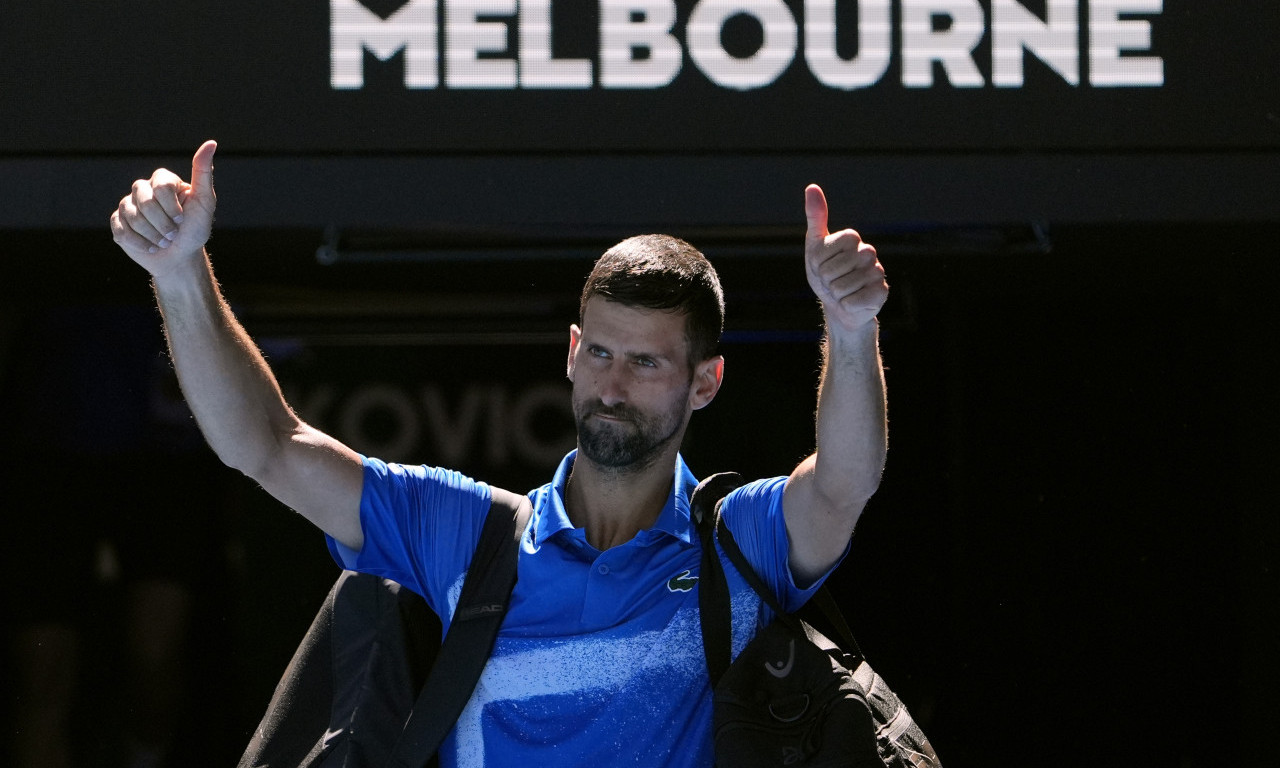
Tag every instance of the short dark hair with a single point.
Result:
(666, 273)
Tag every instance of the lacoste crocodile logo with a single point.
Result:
(682, 583)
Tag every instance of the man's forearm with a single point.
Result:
(852, 429)
(224, 378)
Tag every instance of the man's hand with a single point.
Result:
(164, 222)
(843, 270)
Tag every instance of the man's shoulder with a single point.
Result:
(737, 491)
(392, 482)
(753, 504)
(765, 489)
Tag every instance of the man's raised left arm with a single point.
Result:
(827, 492)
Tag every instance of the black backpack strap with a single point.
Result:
(822, 598)
(469, 641)
(713, 589)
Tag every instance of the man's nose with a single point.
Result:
(613, 386)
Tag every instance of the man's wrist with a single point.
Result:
(185, 275)
(856, 338)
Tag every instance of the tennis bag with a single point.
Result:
(793, 697)
(372, 684)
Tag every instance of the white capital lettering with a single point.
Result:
(875, 36)
(637, 49)
(508, 44)
(1055, 41)
(760, 68)
(1109, 35)
(354, 29)
(466, 37)
(537, 68)
(952, 47)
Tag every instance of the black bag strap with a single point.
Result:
(714, 614)
(482, 605)
(713, 589)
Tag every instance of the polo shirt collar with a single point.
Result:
(674, 519)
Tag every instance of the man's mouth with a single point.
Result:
(611, 414)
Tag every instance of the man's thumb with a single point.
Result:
(202, 171)
(815, 211)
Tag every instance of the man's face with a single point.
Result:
(633, 390)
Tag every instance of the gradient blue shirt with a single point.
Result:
(599, 660)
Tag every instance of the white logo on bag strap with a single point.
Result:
(783, 669)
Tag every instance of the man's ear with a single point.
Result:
(575, 336)
(707, 377)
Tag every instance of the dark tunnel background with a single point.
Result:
(1074, 524)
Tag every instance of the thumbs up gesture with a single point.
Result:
(842, 269)
(164, 221)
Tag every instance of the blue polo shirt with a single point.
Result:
(599, 660)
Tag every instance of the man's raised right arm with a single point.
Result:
(163, 225)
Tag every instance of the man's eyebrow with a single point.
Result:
(649, 356)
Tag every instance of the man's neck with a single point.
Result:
(612, 505)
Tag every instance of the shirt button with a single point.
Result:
(604, 570)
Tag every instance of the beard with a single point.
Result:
(632, 443)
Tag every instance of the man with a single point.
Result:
(599, 660)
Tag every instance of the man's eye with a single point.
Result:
(646, 362)
(597, 352)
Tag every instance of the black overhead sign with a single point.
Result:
(445, 76)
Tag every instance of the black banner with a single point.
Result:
(440, 76)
